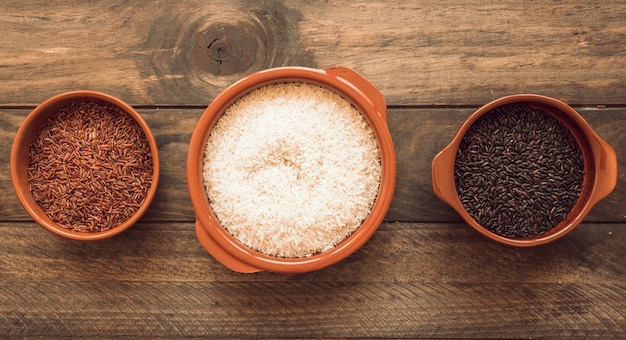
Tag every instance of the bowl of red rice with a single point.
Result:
(291, 169)
(85, 165)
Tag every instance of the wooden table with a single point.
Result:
(424, 274)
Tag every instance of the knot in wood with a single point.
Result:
(220, 49)
(225, 49)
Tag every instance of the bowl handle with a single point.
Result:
(220, 254)
(444, 186)
(366, 89)
(606, 169)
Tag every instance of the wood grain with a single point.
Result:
(312, 310)
(423, 274)
(398, 252)
(417, 53)
(410, 280)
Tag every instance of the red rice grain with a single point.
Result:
(90, 167)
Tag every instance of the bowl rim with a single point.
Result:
(24, 137)
(599, 160)
(236, 255)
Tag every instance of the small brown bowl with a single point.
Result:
(20, 159)
(226, 248)
(599, 158)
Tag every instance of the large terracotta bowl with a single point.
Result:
(25, 136)
(218, 241)
(600, 168)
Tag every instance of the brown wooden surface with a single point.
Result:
(424, 274)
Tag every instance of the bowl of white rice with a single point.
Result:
(291, 169)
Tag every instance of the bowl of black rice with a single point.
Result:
(524, 170)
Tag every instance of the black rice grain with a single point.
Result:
(518, 171)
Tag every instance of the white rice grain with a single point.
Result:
(291, 169)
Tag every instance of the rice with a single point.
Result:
(291, 169)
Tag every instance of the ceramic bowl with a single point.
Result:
(600, 168)
(20, 159)
(218, 241)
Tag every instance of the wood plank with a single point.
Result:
(398, 252)
(410, 280)
(439, 52)
(418, 134)
(311, 310)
